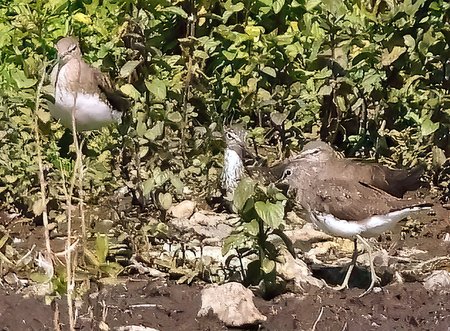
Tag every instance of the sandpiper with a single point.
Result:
(83, 89)
(233, 159)
(393, 181)
(240, 161)
(345, 207)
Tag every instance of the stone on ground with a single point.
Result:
(232, 303)
(184, 209)
(439, 280)
(296, 270)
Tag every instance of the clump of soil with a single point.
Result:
(165, 305)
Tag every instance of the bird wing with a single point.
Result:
(393, 181)
(354, 201)
(116, 98)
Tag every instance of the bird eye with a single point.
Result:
(287, 173)
(229, 135)
(72, 48)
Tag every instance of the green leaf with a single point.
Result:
(21, 80)
(229, 55)
(244, 190)
(174, 117)
(409, 41)
(82, 18)
(113, 269)
(428, 127)
(267, 266)
(277, 6)
(101, 247)
(175, 10)
(155, 132)
(157, 88)
(311, 4)
(272, 214)
(253, 31)
(325, 90)
(165, 200)
(39, 277)
(278, 118)
(128, 68)
(148, 186)
(130, 91)
(388, 58)
(234, 81)
(252, 227)
(269, 71)
(44, 116)
(233, 240)
(38, 207)
(336, 8)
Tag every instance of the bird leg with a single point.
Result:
(374, 277)
(351, 265)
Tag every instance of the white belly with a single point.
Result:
(233, 168)
(370, 227)
(335, 226)
(91, 113)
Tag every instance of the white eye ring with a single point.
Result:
(287, 172)
(72, 48)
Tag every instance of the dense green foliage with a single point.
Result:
(371, 77)
(261, 212)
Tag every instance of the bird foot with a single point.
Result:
(341, 287)
(375, 279)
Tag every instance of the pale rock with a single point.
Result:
(307, 233)
(321, 248)
(184, 209)
(410, 252)
(232, 303)
(381, 258)
(439, 280)
(213, 228)
(134, 328)
(293, 219)
(296, 270)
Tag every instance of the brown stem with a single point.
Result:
(41, 167)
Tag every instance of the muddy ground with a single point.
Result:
(165, 305)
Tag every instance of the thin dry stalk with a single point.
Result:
(69, 193)
(40, 165)
(81, 196)
(56, 325)
(317, 319)
(191, 21)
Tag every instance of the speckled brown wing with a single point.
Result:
(396, 181)
(352, 201)
(116, 98)
(94, 81)
(262, 174)
(393, 181)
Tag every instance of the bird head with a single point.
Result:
(68, 48)
(315, 152)
(304, 164)
(235, 137)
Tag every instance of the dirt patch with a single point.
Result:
(165, 305)
(168, 306)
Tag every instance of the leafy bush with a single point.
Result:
(261, 211)
(370, 77)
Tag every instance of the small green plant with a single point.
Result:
(261, 212)
(97, 260)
